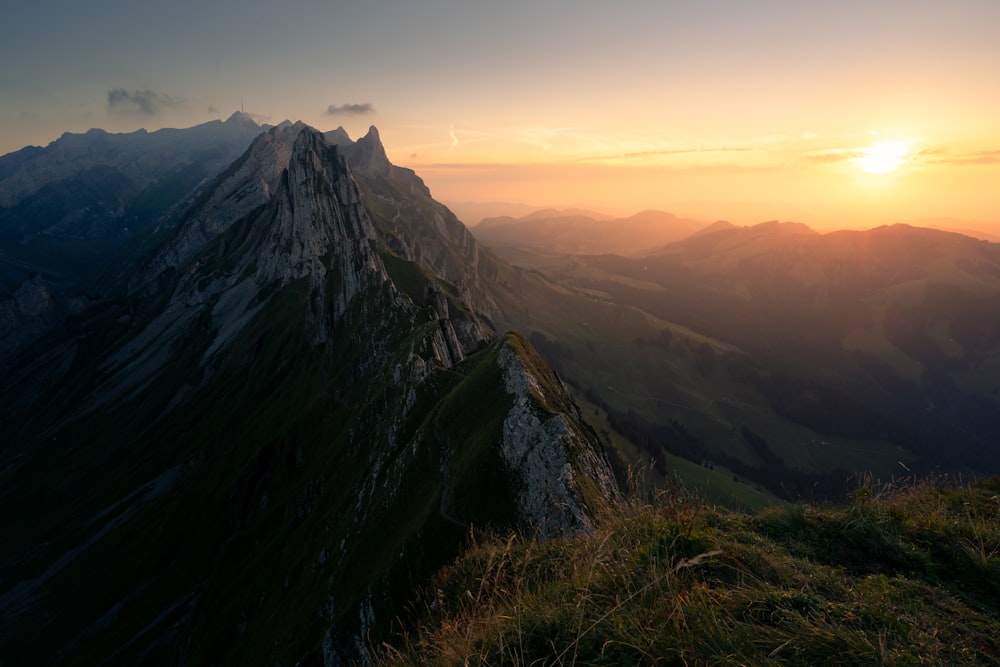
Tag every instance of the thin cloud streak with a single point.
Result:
(640, 155)
(927, 156)
(963, 159)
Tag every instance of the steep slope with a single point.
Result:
(593, 343)
(869, 347)
(412, 224)
(280, 433)
(67, 207)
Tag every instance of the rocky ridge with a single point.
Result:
(281, 421)
(69, 209)
(550, 451)
(141, 156)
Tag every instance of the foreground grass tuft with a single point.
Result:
(903, 576)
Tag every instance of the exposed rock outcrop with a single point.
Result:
(416, 226)
(551, 454)
(260, 453)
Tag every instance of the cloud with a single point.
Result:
(143, 102)
(834, 155)
(454, 138)
(927, 156)
(350, 109)
(644, 155)
(963, 159)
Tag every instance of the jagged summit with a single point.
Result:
(338, 137)
(366, 155)
(287, 423)
(241, 118)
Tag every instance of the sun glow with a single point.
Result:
(883, 157)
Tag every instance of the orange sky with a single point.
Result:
(947, 166)
(719, 109)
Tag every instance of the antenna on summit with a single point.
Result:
(241, 105)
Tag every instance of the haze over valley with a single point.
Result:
(500, 335)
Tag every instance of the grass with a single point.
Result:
(296, 504)
(909, 575)
(713, 485)
(664, 384)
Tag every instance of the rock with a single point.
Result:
(545, 449)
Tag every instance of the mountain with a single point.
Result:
(824, 354)
(984, 231)
(584, 233)
(263, 438)
(289, 400)
(420, 229)
(67, 207)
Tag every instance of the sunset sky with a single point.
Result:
(721, 109)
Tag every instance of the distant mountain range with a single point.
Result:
(65, 209)
(580, 232)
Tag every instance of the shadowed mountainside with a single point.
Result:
(260, 444)
(827, 345)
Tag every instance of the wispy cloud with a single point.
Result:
(962, 159)
(364, 109)
(141, 102)
(834, 155)
(926, 156)
(654, 153)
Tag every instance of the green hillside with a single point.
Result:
(904, 576)
(789, 358)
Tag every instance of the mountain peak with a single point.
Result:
(296, 378)
(373, 141)
(338, 137)
(241, 118)
(369, 155)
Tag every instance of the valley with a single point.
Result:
(258, 396)
(796, 359)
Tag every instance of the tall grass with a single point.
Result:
(901, 575)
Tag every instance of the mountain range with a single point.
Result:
(259, 386)
(792, 358)
(582, 232)
(264, 426)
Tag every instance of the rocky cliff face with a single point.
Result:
(554, 457)
(416, 226)
(288, 424)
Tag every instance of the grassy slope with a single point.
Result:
(680, 383)
(910, 576)
(674, 379)
(270, 459)
(709, 483)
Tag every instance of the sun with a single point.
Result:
(882, 157)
